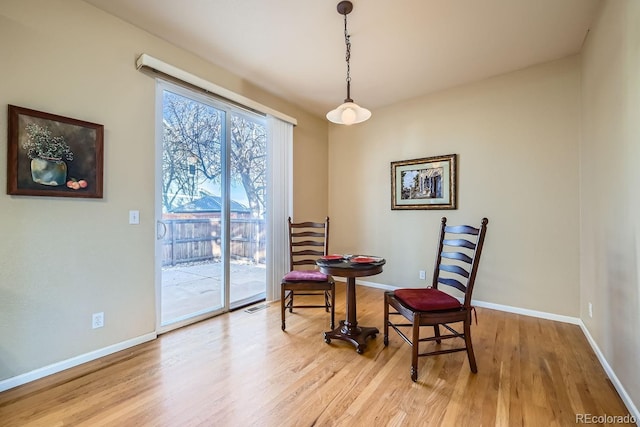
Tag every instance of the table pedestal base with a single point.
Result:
(356, 335)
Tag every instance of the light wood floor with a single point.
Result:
(240, 369)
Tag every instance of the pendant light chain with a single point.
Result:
(347, 42)
(349, 112)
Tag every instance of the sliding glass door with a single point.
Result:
(210, 213)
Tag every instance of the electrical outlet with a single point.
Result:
(590, 310)
(423, 275)
(98, 320)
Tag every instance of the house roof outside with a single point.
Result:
(209, 204)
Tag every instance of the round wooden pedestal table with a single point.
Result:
(350, 268)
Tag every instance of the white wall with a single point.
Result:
(609, 185)
(517, 138)
(64, 259)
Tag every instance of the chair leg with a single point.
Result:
(386, 320)
(326, 301)
(415, 347)
(283, 297)
(469, 344)
(436, 333)
(291, 304)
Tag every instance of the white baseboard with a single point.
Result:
(527, 312)
(633, 410)
(54, 368)
(375, 285)
(490, 305)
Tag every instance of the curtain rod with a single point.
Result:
(147, 61)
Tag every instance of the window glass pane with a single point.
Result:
(195, 278)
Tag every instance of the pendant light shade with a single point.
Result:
(348, 113)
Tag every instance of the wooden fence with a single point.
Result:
(193, 240)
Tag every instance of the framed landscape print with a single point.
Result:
(427, 183)
(50, 155)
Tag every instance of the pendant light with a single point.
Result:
(348, 113)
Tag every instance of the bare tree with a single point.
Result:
(192, 138)
(191, 154)
(248, 160)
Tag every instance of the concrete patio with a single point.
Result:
(190, 289)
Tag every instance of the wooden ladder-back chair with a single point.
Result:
(458, 256)
(308, 241)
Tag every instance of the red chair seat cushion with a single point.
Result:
(427, 299)
(305, 276)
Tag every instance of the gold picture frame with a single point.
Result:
(426, 183)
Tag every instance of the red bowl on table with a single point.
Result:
(360, 259)
(334, 257)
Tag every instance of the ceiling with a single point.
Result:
(400, 49)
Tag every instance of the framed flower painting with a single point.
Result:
(51, 155)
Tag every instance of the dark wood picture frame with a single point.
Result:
(51, 155)
(427, 183)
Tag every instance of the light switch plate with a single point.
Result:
(134, 217)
